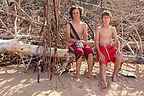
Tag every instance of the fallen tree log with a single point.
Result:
(133, 58)
(13, 46)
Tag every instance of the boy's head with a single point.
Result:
(106, 13)
(76, 7)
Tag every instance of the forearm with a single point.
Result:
(70, 40)
(118, 45)
(97, 48)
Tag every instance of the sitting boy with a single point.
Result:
(105, 50)
(78, 44)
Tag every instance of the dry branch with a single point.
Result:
(45, 22)
(23, 18)
(6, 27)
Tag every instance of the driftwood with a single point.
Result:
(45, 25)
(13, 46)
(132, 58)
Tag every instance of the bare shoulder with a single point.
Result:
(67, 24)
(112, 28)
(98, 28)
(83, 24)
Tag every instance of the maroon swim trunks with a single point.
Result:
(80, 51)
(108, 51)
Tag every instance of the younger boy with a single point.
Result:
(105, 51)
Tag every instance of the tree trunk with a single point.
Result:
(13, 46)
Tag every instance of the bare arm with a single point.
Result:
(84, 41)
(85, 32)
(97, 40)
(97, 37)
(116, 39)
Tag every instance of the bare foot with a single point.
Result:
(114, 78)
(78, 79)
(104, 85)
(91, 77)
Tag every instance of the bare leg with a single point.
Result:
(90, 66)
(103, 75)
(78, 65)
(117, 66)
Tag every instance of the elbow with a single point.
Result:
(118, 42)
(68, 40)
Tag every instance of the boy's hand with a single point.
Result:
(118, 52)
(101, 57)
(84, 42)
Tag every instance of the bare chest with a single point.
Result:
(79, 29)
(105, 33)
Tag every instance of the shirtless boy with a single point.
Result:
(105, 50)
(81, 29)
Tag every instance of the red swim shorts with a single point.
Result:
(108, 51)
(79, 51)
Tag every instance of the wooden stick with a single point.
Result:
(6, 27)
(127, 45)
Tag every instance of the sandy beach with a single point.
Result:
(14, 82)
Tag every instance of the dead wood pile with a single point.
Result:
(43, 23)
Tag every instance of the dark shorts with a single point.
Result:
(80, 51)
(109, 52)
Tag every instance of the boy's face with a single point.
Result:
(76, 14)
(106, 19)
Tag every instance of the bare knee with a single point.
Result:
(119, 57)
(90, 55)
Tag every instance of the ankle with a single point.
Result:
(89, 73)
(104, 82)
(114, 75)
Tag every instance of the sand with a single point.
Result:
(14, 82)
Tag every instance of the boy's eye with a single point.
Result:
(75, 12)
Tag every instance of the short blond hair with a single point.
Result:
(106, 13)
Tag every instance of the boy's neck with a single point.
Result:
(76, 20)
(105, 25)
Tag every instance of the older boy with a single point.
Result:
(79, 46)
(105, 50)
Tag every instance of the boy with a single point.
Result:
(81, 30)
(105, 51)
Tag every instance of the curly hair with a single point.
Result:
(81, 10)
